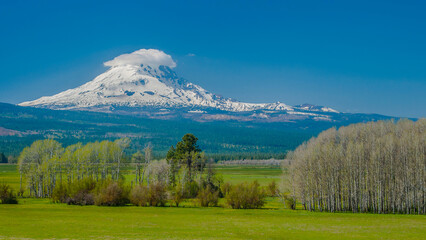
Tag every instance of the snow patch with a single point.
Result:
(196, 111)
(144, 78)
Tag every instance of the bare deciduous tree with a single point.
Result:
(375, 167)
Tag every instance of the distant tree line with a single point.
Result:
(245, 156)
(377, 167)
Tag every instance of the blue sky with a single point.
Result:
(354, 56)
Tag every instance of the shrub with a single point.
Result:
(154, 195)
(21, 192)
(81, 198)
(246, 196)
(112, 194)
(225, 188)
(60, 193)
(157, 195)
(7, 196)
(191, 189)
(77, 193)
(272, 189)
(139, 195)
(177, 195)
(289, 202)
(208, 197)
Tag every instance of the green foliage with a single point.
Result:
(60, 193)
(191, 189)
(186, 146)
(289, 201)
(177, 194)
(7, 196)
(171, 153)
(38, 164)
(80, 192)
(207, 197)
(212, 178)
(45, 162)
(246, 196)
(187, 156)
(272, 189)
(225, 188)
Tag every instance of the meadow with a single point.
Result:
(232, 174)
(42, 219)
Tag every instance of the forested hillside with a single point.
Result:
(221, 139)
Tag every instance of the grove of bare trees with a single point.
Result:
(377, 167)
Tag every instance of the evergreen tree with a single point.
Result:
(3, 158)
(188, 154)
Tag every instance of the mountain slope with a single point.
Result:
(144, 83)
(143, 86)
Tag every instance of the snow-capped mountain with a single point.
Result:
(144, 82)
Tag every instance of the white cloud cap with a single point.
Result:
(151, 57)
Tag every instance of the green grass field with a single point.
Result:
(233, 174)
(41, 219)
(238, 174)
(9, 174)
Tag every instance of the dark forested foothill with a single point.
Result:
(221, 140)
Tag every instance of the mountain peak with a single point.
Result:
(145, 79)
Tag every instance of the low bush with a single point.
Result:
(112, 194)
(191, 190)
(60, 193)
(208, 197)
(81, 198)
(246, 196)
(289, 201)
(272, 189)
(157, 195)
(7, 196)
(139, 196)
(77, 193)
(225, 188)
